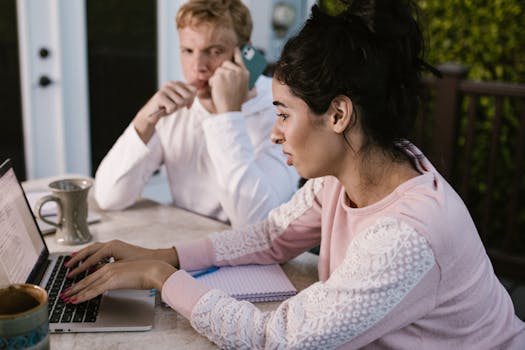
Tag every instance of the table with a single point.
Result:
(153, 225)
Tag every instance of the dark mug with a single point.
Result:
(24, 320)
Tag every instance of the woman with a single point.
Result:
(401, 265)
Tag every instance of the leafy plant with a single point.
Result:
(486, 35)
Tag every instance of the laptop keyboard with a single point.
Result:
(59, 311)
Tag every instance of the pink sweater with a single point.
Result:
(408, 272)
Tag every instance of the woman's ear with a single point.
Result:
(342, 113)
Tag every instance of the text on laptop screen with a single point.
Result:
(20, 240)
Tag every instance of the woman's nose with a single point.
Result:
(276, 134)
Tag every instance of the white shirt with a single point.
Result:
(222, 166)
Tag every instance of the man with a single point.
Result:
(210, 132)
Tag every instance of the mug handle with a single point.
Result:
(38, 210)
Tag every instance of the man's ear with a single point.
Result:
(341, 109)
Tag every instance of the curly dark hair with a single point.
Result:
(372, 53)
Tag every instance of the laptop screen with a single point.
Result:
(21, 244)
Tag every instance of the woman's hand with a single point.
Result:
(134, 274)
(120, 251)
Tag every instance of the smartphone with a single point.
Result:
(254, 61)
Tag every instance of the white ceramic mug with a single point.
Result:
(71, 198)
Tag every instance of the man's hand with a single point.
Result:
(171, 97)
(229, 84)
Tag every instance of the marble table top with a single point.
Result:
(154, 225)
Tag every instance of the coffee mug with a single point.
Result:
(23, 317)
(71, 198)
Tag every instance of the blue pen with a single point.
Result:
(200, 273)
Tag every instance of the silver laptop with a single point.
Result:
(24, 258)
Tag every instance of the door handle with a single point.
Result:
(44, 81)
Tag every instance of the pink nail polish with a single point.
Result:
(67, 300)
(73, 300)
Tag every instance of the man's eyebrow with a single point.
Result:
(278, 104)
(207, 48)
(215, 46)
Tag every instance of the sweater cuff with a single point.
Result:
(182, 292)
(137, 142)
(195, 255)
(221, 122)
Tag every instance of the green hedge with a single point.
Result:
(486, 35)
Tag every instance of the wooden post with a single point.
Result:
(447, 117)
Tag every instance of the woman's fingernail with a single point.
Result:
(73, 253)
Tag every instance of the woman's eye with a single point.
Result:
(282, 116)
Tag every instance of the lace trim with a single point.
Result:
(236, 243)
(229, 323)
(382, 265)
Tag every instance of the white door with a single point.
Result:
(52, 45)
(54, 80)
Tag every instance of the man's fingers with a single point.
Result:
(175, 95)
(237, 58)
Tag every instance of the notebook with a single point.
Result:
(254, 283)
(24, 258)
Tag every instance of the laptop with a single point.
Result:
(25, 258)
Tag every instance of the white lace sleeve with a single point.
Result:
(382, 265)
(233, 244)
